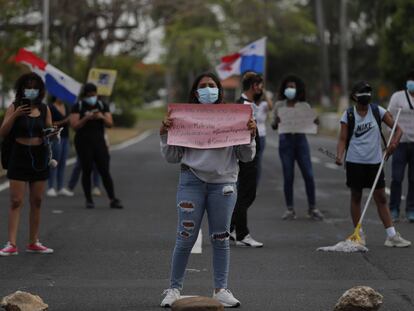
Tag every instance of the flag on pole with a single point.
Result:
(249, 58)
(57, 82)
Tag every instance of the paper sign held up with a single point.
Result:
(297, 120)
(209, 126)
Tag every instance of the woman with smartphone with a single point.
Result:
(89, 118)
(24, 124)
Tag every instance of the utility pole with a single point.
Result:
(45, 33)
(324, 57)
(343, 55)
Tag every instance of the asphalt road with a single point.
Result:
(119, 259)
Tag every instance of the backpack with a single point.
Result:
(351, 122)
(8, 141)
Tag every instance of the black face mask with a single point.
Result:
(256, 97)
(363, 99)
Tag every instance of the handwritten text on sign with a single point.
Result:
(209, 126)
(406, 122)
(297, 120)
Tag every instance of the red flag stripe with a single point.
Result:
(230, 58)
(30, 58)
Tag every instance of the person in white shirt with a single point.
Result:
(261, 110)
(404, 154)
(360, 136)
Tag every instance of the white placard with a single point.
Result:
(406, 122)
(297, 120)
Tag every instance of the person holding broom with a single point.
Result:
(360, 136)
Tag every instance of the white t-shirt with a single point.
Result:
(399, 100)
(365, 144)
(260, 114)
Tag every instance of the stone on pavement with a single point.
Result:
(22, 301)
(359, 298)
(197, 304)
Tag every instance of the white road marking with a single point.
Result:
(198, 246)
(315, 160)
(331, 166)
(120, 146)
(57, 211)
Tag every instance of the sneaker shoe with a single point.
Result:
(410, 216)
(233, 236)
(51, 192)
(9, 250)
(248, 241)
(395, 215)
(90, 205)
(171, 296)
(289, 215)
(226, 298)
(96, 192)
(66, 192)
(397, 241)
(315, 214)
(115, 203)
(38, 248)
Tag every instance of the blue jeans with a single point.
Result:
(194, 197)
(262, 147)
(402, 156)
(295, 147)
(60, 154)
(96, 179)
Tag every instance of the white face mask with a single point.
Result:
(208, 95)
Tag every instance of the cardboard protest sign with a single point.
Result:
(104, 79)
(297, 120)
(209, 126)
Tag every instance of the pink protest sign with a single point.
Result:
(209, 126)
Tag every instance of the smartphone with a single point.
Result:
(23, 102)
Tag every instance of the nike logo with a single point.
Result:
(362, 129)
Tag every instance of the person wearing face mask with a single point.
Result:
(28, 161)
(89, 118)
(294, 147)
(360, 137)
(252, 84)
(207, 184)
(403, 155)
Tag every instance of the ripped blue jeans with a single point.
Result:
(193, 198)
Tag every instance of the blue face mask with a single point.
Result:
(208, 95)
(410, 86)
(290, 93)
(91, 100)
(31, 93)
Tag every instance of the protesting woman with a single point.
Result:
(28, 160)
(360, 136)
(294, 147)
(60, 148)
(89, 118)
(207, 184)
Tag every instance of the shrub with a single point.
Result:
(126, 118)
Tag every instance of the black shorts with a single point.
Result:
(360, 176)
(28, 163)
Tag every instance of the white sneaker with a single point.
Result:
(171, 295)
(66, 192)
(226, 298)
(248, 241)
(397, 241)
(96, 192)
(51, 192)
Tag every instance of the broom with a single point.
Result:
(355, 237)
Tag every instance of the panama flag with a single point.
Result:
(57, 83)
(249, 58)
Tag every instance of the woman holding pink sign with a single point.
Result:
(207, 184)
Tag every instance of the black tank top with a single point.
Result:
(26, 127)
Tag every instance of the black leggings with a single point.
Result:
(94, 151)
